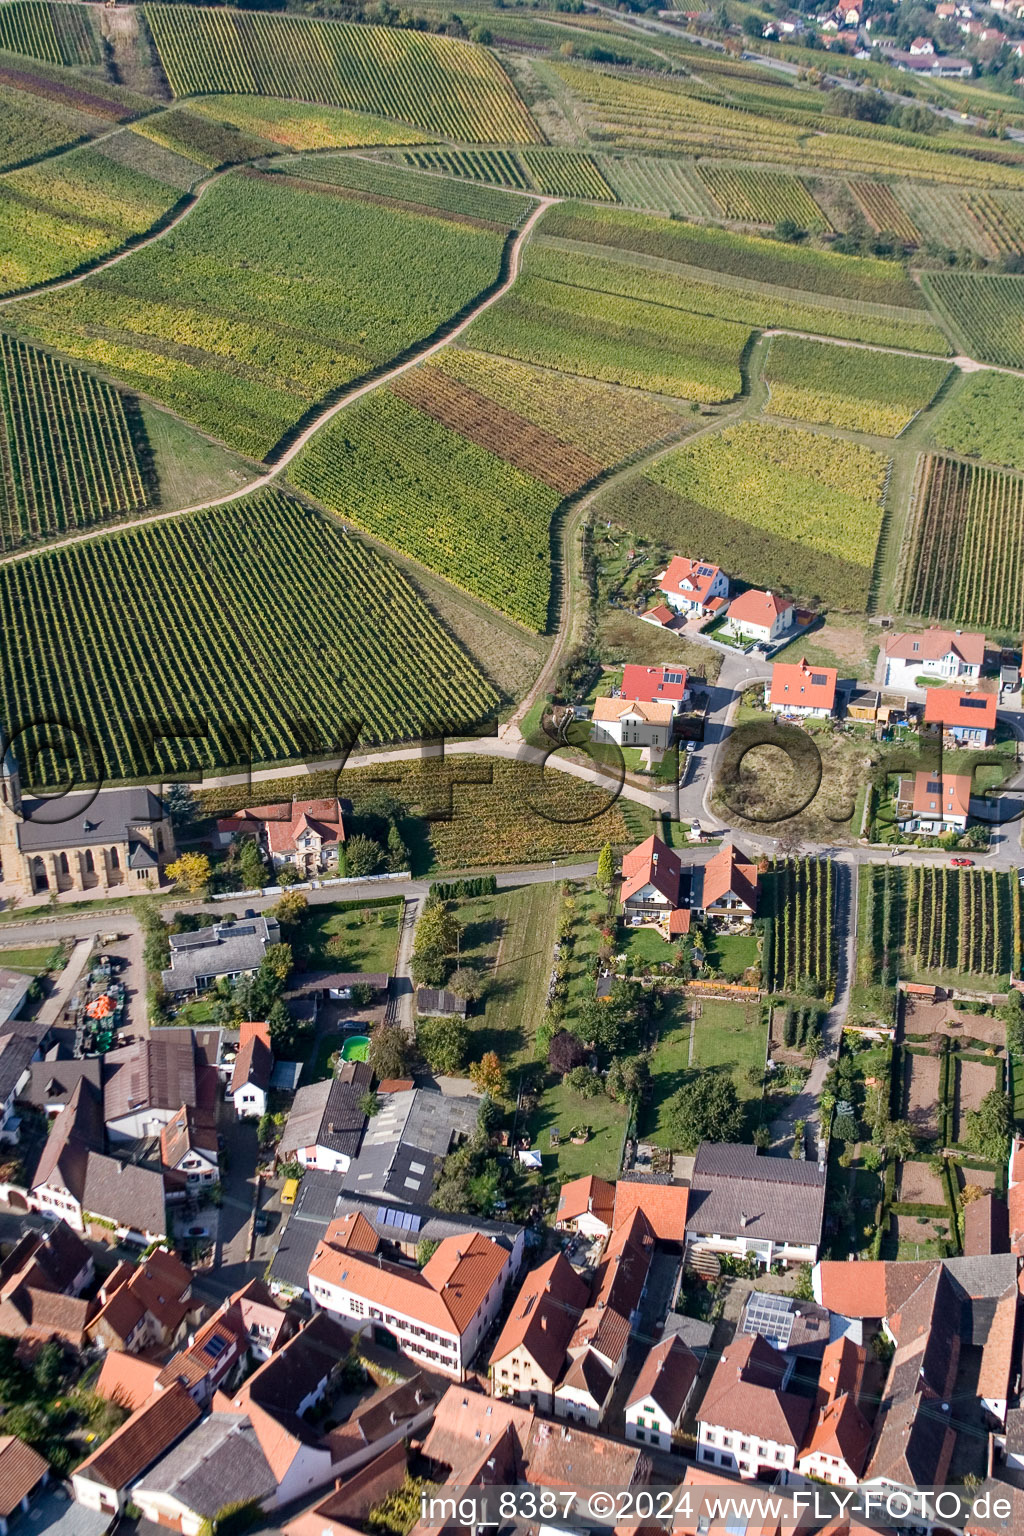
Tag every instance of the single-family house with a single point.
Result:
(661, 1394)
(219, 1465)
(586, 1205)
(934, 803)
(228, 950)
(769, 1208)
(748, 1421)
(652, 886)
(969, 718)
(254, 1063)
(585, 1390)
(188, 1150)
(438, 1315)
(633, 723)
(921, 46)
(694, 587)
(838, 1435)
(327, 1121)
(762, 616)
(654, 685)
(529, 1357)
(945, 653)
(127, 1380)
(210, 1356)
(22, 1473)
(731, 886)
(307, 834)
(104, 1479)
(145, 1305)
(146, 1084)
(40, 1284)
(798, 689)
(662, 1202)
(376, 1428)
(267, 1325)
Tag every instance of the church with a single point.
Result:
(80, 842)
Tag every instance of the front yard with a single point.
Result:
(343, 936)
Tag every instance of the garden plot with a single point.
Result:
(921, 1094)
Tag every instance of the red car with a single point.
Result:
(962, 863)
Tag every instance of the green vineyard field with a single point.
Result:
(849, 387)
(984, 419)
(402, 184)
(197, 637)
(761, 197)
(984, 311)
(801, 899)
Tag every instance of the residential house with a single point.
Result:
(584, 1392)
(188, 1150)
(343, 1511)
(16, 1055)
(945, 653)
(694, 587)
(309, 837)
(144, 1306)
(770, 1208)
(297, 1376)
(250, 1079)
(405, 1143)
(662, 1202)
(327, 1120)
(40, 1284)
(228, 950)
(803, 691)
(839, 1435)
(52, 1081)
(212, 1354)
(654, 685)
(123, 1200)
(933, 803)
(438, 1315)
(586, 1205)
(267, 1325)
(967, 718)
(529, 1357)
(104, 1479)
(372, 1435)
(652, 887)
(127, 1380)
(146, 1084)
(633, 723)
(217, 1466)
(922, 45)
(22, 1473)
(748, 1421)
(59, 1180)
(661, 1394)
(760, 616)
(730, 887)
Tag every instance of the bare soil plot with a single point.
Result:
(973, 1080)
(918, 1185)
(922, 1016)
(921, 1094)
(984, 1178)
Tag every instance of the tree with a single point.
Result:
(443, 1044)
(370, 1104)
(896, 1138)
(285, 1030)
(844, 1127)
(465, 983)
(425, 1249)
(180, 804)
(48, 1369)
(565, 1052)
(488, 1075)
(605, 867)
(388, 1053)
(1012, 1013)
(362, 856)
(398, 853)
(251, 865)
(969, 1194)
(437, 935)
(191, 871)
(585, 1083)
(628, 1079)
(291, 909)
(987, 1128)
(706, 1109)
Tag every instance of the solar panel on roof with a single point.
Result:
(415, 1222)
(973, 703)
(819, 678)
(770, 1316)
(935, 786)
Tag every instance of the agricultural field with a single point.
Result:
(880, 206)
(800, 899)
(984, 311)
(555, 172)
(67, 455)
(849, 387)
(298, 126)
(761, 197)
(965, 921)
(265, 299)
(782, 508)
(53, 34)
(207, 143)
(30, 127)
(436, 495)
(565, 313)
(446, 86)
(191, 625)
(963, 554)
(396, 183)
(498, 167)
(983, 420)
(663, 186)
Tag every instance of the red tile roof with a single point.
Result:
(444, 1294)
(933, 644)
(728, 874)
(755, 607)
(801, 686)
(664, 1206)
(543, 1316)
(661, 614)
(841, 1430)
(650, 683)
(353, 1232)
(21, 1469)
(587, 1194)
(321, 816)
(948, 707)
(870, 1287)
(842, 1370)
(745, 1393)
(253, 1064)
(667, 1375)
(149, 1432)
(946, 794)
(689, 578)
(126, 1379)
(652, 862)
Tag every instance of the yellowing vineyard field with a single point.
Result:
(851, 387)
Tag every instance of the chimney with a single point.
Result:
(418, 1395)
(590, 1198)
(744, 1218)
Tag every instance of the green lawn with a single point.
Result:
(732, 954)
(590, 903)
(560, 1110)
(34, 961)
(646, 946)
(727, 1036)
(366, 937)
(509, 938)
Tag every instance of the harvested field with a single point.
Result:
(918, 1185)
(921, 1094)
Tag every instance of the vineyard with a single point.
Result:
(967, 921)
(381, 179)
(193, 633)
(761, 197)
(963, 558)
(204, 142)
(53, 34)
(66, 455)
(448, 87)
(803, 947)
(862, 391)
(294, 125)
(566, 312)
(983, 420)
(665, 186)
(880, 207)
(555, 172)
(430, 492)
(265, 300)
(817, 498)
(985, 312)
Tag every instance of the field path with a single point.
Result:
(291, 453)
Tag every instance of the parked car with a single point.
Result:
(962, 863)
(262, 1223)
